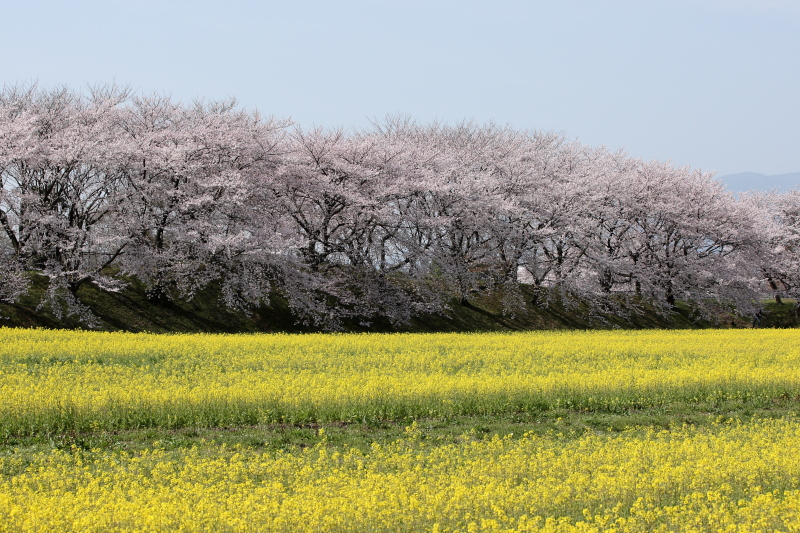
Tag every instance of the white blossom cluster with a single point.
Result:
(389, 222)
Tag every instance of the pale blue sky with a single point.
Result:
(710, 83)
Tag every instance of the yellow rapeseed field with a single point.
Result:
(729, 478)
(724, 477)
(52, 381)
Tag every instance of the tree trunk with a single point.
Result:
(774, 287)
(73, 286)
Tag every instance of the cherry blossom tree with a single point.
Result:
(61, 186)
(777, 216)
(369, 225)
(688, 237)
(334, 194)
(193, 175)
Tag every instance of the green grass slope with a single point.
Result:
(131, 310)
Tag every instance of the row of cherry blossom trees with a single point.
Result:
(389, 222)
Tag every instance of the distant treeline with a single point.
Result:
(396, 220)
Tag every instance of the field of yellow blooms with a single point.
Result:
(55, 381)
(727, 476)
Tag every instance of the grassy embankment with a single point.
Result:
(131, 310)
